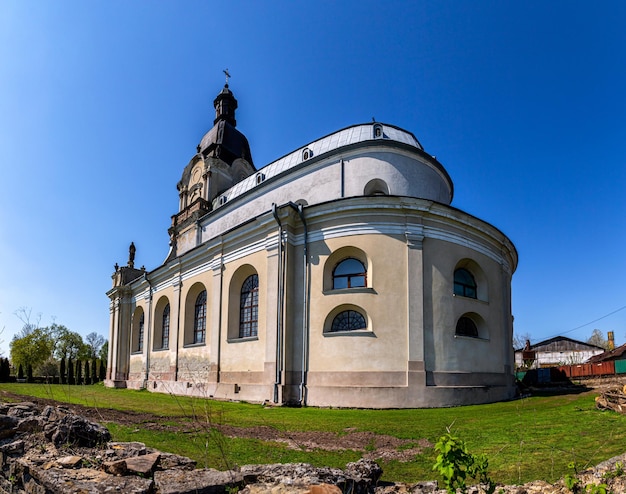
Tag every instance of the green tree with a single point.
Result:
(79, 372)
(70, 372)
(102, 371)
(104, 351)
(87, 373)
(49, 369)
(5, 370)
(32, 348)
(68, 344)
(62, 371)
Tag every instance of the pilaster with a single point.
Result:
(415, 302)
(175, 325)
(215, 323)
(274, 344)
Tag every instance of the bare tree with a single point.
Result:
(94, 341)
(520, 339)
(598, 339)
(24, 314)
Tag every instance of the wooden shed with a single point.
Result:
(555, 352)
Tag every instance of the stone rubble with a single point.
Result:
(53, 451)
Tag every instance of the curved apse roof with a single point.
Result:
(336, 140)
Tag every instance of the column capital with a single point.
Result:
(414, 240)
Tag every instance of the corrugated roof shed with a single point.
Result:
(562, 344)
(618, 353)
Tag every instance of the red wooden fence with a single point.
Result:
(588, 370)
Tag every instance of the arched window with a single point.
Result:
(165, 327)
(140, 331)
(348, 320)
(199, 318)
(466, 327)
(349, 273)
(249, 307)
(378, 131)
(464, 283)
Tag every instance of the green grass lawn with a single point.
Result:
(527, 439)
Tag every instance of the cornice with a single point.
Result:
(414, 220)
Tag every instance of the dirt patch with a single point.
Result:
(373, 446)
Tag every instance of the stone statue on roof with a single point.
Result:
(131, 255)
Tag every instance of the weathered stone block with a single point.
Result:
(364, 469)
(31, 424)
(22, 410)
(32, 487)
(324, 489)
(143, 465)
(14, 448)
(171, 461)
(117, 467)
(207, 481)
(8, 426)
(69, 461)
(127, 449)
(89, 480)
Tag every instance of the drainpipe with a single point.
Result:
(180, 282)
(342, 178)
(148, 331)
(305, 297)
(279, 306)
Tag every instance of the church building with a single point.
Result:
(338, 275)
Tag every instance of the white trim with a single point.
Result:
(455, 227)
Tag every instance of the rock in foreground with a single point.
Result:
(53, 451)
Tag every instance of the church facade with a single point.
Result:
(337, 275)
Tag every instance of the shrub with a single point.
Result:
(103, 371)
(94, 374)
(455, 463)
(63, 371)
(79, 372)
(70, 372)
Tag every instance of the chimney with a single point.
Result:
(611, 339)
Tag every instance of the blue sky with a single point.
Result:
(102, 104)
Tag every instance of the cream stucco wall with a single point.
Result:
(410, 241)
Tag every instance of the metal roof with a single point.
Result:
(331, 142)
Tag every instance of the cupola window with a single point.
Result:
(378, 131)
